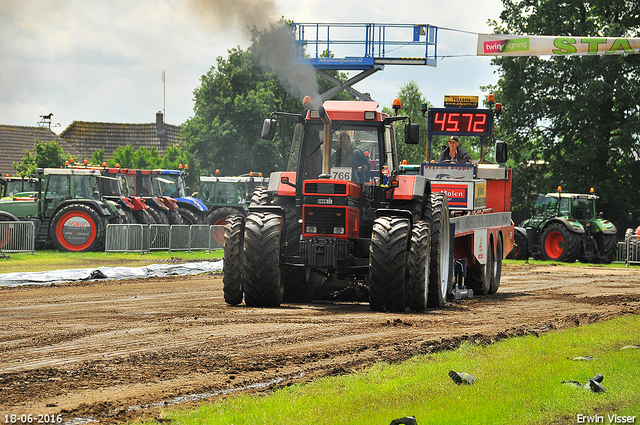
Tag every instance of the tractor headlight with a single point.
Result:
(311, 229)
(338, 230)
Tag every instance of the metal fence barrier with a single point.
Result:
(632, 248)
(163, 237)
(17, 236)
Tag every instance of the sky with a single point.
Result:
(104, 60)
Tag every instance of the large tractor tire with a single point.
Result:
(388, 262)
(260, 196)
(5, 234)
(159, 217)
(218, 216)
(607, 247)
(520, 250)
(189, 217)
(174, 217)
(261, 275)
(233, 259)
(438, 217)
(497, 266)
(559, 244)
(419, 263)
(129, 217)
(142, 216)
(78, 227)
(299, 285)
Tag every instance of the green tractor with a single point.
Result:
(17, 186)
(226, 196)
(68, 209)
(564, 227)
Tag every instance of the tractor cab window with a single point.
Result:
(565, 206)
(545, 205)
(207, 192)
(355, 151)
(583, 208)
(225, 193)
(58, 187)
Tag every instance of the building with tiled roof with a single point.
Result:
(15, 140)
(83, 138)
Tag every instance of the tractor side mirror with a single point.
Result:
(630, 216)
(502, 149)
(411, 133)
(268, 129)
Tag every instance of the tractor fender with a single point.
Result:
(410, 187)
(605, 226)
(7, 216)
(277, 188)
(157, 203)
(574, 227)
(100, 207)
(192, 203)
(520, 230)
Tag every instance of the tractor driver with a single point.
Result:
(347, 156)
(454, 153)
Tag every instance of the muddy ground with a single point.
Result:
(128, 349)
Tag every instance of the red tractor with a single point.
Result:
(345, 214)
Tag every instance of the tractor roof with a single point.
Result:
(572, 195)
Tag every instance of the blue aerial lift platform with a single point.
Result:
(362, 47)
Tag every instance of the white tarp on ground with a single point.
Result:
(114, 273)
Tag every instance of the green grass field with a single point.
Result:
(518, 382)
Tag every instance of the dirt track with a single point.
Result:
(121, 350)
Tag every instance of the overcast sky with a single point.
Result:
(103, 60)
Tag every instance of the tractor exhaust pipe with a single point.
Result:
(326, 153)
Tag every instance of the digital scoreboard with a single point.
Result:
(460, 122)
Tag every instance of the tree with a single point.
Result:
(579, 116)
(45, 155)
(238, 94)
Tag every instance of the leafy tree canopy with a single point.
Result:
(572, 121)
(45, 155)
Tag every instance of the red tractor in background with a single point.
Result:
(329, 223)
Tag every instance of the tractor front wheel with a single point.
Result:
(233, 259)
(438, 216)
(388, 264)
(419, 262)
(261, 263)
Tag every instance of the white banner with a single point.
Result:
(545, 45)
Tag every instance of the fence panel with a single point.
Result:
(632, 245)
(17, 236)
(126, 238)
(159, 237)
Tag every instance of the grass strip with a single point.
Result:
(518, 381)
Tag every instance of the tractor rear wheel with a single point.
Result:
(559, 244)
(419, 262)
(388, 264)
(438, 217)
(189, 217)
(608, 248)
(260, 196)
(261, 275)
(78, 227)
(233, 259)
(159, 217)
(174, 217)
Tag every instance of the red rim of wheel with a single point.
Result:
(60, 226)
(554, 244)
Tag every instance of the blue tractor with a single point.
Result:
(172, 183)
